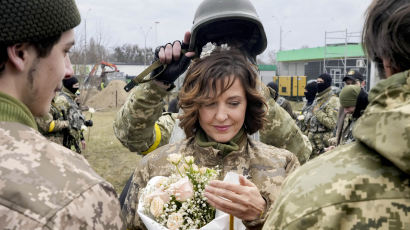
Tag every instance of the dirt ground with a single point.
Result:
(105, 153)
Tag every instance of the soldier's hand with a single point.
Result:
(83, 145)
(88, 123)
(170, 54)
(329, 148)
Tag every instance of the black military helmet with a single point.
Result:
(220, 21)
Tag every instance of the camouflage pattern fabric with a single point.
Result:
(362, 185)
(281, 131)
(304, 121)
(53, 121)
(266, 166)
(323, 121)
(65, 101)
(134, 123)
(346, 136)
(46, 186)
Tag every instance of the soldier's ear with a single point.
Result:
(18, 55)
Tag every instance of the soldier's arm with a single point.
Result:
(46, 124)
(139, 124)
(328, 115)
(96, 208)
(139, 180)
(281, 131)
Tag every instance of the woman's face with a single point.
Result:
(222, 117)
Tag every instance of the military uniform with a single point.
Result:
(266, 166)
(65, 101)
(52, 125)
(323, 121)
(304, 122)
(141, 127)
(346, 133)
(44, 185)
(362, 185)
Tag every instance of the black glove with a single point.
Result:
(174, 69)
(88, 123)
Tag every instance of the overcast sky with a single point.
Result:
(157, 22)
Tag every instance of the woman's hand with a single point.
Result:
(242, 201)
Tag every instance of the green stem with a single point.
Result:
(176, 166)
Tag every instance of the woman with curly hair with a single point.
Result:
(222, 107)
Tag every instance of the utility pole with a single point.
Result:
(145, 33)
(156, 33)
(85, 37)
(280, 38)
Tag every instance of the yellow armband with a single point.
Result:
(51, 127)
(156, 142)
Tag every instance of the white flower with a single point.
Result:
(183, 168)
(165, 196)
(195, 168)
(175, 220)
(160, 182)
(91, 110)
(189, 159)
(174, 158)
(83, 128)
(157, 206)
(182, 189)
(202, 170)
(301, 117)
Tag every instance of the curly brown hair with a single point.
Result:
(386, 34)
(200, 86)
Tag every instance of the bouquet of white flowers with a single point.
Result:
(177, 201)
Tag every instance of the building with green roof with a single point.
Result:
(336, 59)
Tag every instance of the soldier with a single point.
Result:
(353, 100)
(303, 120)
(66, 101)
(43, 185)
(64, 124)
(274, 92)
(222, 106)
(324, 115)
(364, 184)
(53, 125)
(353, 77)
(139, 124)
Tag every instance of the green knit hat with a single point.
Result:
(34, 20)
(348, 95)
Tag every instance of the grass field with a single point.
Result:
(105, 153)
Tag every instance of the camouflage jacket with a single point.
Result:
(52, 124)
(266, 166)
(325, 112)
(65, 101)
(362, 185)
(141, 126)
(46, 186)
